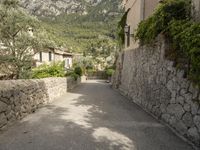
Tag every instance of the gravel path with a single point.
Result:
(91, 117)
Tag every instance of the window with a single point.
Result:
(40, 56)
(67, 63)
(50, 56)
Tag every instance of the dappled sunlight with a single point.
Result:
(79, 115)
(90, 117)
(57, 128)
(115, 139)
(78, 112)
(82, 114)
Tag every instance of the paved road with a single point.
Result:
(91, 117)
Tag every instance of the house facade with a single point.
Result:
(51, 54)
(54, 55)
(138, 10)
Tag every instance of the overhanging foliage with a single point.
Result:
(173, 18)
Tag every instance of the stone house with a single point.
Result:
(138, 11)
(54, 55)
(51, 54)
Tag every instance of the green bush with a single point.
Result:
(186, 40)
(159, 22)
(45, 71)
(109, 72)
(69, 72)
(173, 18)
(78, 71)
(74, 76)
(91, 71)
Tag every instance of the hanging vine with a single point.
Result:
(173, 19)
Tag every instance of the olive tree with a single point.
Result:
(19, 46)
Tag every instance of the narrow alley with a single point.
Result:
(91, 117)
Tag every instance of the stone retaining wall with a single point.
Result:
(151, 81)
(21, 97)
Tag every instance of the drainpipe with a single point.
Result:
(142, 15)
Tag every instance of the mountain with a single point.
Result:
(56, 7)
(77, 24)
(47, 8)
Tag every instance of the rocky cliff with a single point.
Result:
(56, 7)
(69, 22)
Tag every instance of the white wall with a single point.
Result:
(54, 58)
(133, 19)
(139, 10)
(58, 57)
(45, 58)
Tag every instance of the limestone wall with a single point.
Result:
(21, 97)
(151, 81)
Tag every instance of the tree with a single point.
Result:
(103, 51)
(19, 45)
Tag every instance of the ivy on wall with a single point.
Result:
(159, 22)
(173, 19)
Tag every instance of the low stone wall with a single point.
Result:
(21, 97)
(151, 81)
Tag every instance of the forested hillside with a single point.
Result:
(77, 24)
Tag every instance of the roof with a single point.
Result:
(61, 52)
(77, 54)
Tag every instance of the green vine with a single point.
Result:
(173, 19)
(159, 22)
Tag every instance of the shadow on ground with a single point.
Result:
(91, 117)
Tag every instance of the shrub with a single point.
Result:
(91, 71)
(74, 76)
(186, 36)
(78, 71)
(109, 72)
(173, 18)
(159, 22)
(45, 71)
(69, 72)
